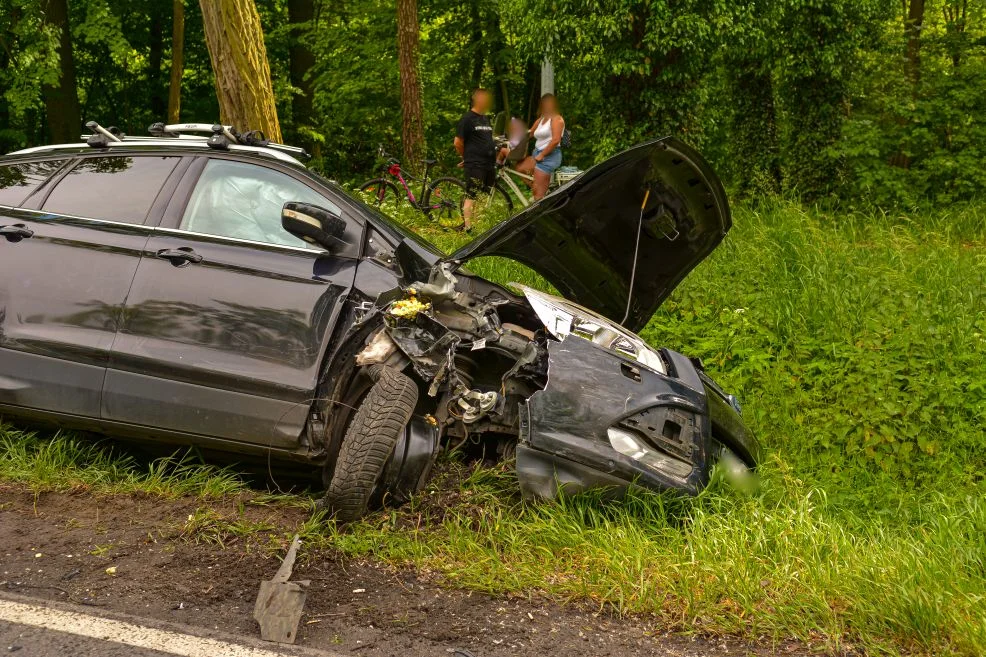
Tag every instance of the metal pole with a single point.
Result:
(547, 77)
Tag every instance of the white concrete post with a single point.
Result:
(547, 77)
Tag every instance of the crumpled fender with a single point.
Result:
(564, 439)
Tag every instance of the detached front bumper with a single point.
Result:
(602, 421)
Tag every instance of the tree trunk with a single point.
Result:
(955, 16)
(753, 126)
(154, 59)
(239, 60)
(813, 111)
(62, 100)
(302, 61)
(478, 54)
(412, 105)
(177, 60)
(912, 31)
(497, 45)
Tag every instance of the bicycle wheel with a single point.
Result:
(381, 193)
(444, 201)
(501, 205)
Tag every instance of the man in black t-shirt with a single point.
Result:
(474, 142)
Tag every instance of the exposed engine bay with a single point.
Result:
(578, 400)
(478, 352)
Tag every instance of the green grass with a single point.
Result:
(64, 462)
(786, 562)
(858, 346)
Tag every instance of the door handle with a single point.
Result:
(16, 232)
(179, 257)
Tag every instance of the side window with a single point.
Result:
(111, 188)
(17, 181)
(241, 200)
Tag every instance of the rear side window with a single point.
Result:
(111, 188)
(17, 181)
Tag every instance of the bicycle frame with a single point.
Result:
(395, 171)
(504, 174)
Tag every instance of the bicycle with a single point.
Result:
(504, 182)
(441, 199)
(505, 189)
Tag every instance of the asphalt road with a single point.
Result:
(33, 628)
(27, 641)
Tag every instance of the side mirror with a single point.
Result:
(313, 224)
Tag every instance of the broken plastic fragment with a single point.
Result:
(280, 603)
(378, 350)
(408, 308)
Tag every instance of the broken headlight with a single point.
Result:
(562, 318)
(633, 446)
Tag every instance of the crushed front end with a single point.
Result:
(564, 384)
(578, 400)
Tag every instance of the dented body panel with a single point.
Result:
(564, 439)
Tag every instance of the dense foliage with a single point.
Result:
(860, 101)
(856, 339)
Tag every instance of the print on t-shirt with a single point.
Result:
(476, 134)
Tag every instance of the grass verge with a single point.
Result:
(67, 462)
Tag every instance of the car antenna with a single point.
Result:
(636, 252)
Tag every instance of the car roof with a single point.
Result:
(152, 144)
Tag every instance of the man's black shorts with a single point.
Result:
(479, 178)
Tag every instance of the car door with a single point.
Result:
(73, 229)
(228, 316)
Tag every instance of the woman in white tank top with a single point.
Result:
(547, 132)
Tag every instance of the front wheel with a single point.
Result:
(381, 192)
(444, 200)
(370, 439)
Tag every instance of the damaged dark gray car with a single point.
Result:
(250, 306)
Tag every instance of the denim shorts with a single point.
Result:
(550, 162)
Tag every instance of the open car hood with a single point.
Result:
(581, 237)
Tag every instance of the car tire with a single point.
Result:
(370, 439)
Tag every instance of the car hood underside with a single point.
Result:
(582, 238)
